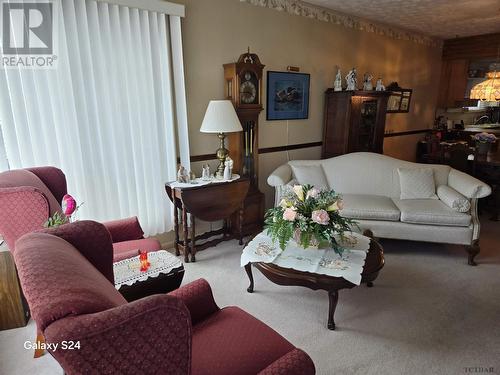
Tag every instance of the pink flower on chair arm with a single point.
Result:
(68, 205)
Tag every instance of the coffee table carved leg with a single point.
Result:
(193, 237)
(248, 269)
(176, 227)
(185, 230)
(333, 297)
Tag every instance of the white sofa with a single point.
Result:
(370, 186)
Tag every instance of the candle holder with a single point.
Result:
(143, 258)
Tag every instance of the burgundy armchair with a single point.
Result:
(29, 196)
(68, 282)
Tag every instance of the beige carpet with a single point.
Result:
(429, 312)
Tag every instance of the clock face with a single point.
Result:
(249, 88)
(248, 92)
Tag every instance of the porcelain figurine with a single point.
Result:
(380, 86)
(337, 86)
(228, 168)
(352, 80)
(182, 175)
(367, 82)
(205, 174)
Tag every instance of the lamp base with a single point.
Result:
(222, 153)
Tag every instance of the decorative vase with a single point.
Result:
(313, 242)
(482, 148)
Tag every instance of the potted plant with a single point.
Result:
(310, 217)
(484, 142)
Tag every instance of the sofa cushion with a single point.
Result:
(369, 207)
(417, 183)
(232, 341)
(431, 212)
(59, 281)
(128, 249)
(310, 174)
(453, 198)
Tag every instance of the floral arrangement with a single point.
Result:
(485, 137)
(68, 207)
(308, 215)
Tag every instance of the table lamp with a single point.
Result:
(220, 118)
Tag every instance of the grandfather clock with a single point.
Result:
(243, 86)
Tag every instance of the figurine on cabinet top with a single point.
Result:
(352, 80)
(380, 86)
(205, 174)
(337, 86)
(367, 82)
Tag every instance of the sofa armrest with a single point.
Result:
(92, 240)
(148, 336)
(467, 185)
(125, 229)
(23, 209)
(295, 362)
(198, 298)
(280, 176)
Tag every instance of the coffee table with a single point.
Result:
(164, 275)
(286, 276)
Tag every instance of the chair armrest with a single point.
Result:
(92, 240)
(280, 176)
(23, 209)
(148, 336)
(295, 362)
(125, 229)
(198, 298)
(467, 185)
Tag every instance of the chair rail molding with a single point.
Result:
(299, 8)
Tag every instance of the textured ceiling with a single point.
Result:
(440, 18)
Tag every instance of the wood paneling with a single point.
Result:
(13, 309)
(474, 47)
(453, 82)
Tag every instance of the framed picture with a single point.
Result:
(399, 101)
(287, 96)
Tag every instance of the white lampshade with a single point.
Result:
(220, 117)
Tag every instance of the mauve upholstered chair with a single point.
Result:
(67, 278)
(28, 197)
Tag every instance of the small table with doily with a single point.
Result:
(315, 269)
(164, 275)
(208, 201)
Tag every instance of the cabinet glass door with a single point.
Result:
(367, 125)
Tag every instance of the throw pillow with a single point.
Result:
(310, 174)
(417, 183)
(453, 198)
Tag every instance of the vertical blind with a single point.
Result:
(105, 115)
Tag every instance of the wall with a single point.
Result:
(218, 31)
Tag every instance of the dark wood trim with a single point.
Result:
(409, 132)
(289, 147)
(198, 158)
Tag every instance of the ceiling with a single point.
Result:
(444, 19)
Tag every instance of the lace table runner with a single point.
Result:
(128, 271)
(321, 261)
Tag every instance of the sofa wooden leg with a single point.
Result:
(473, 250)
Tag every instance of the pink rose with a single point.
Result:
(313, 193)
(290, 214)
(320, 217)
(68, 205)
